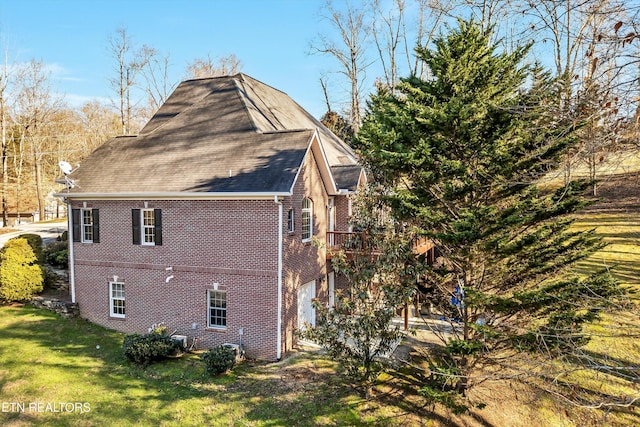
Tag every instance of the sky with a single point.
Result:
(271, 38)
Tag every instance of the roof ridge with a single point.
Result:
(195, 102)
(271, 118)
(243, 99)
(179, 113)
(268, 132)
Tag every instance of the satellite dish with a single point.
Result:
(65, 167)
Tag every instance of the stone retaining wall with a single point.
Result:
(64, 308)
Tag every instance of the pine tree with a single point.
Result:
(463, 154)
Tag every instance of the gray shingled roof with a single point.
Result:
(222, 134)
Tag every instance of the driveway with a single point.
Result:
(49, 231)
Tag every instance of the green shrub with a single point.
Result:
(35, 241)
(63, 237)
(148, 348)
(20, 275)
(57, 254)
(218, 360)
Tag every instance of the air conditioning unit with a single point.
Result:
(182, 339)
(237, 350)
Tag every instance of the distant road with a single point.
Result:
(49, 231)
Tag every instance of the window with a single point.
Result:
(307, 219)
(147, 226)
(86, 225)
(217, 309)
(290, 221)
(116, 299)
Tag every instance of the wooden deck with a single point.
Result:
(356, 241)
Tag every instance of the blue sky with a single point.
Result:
(270, 37)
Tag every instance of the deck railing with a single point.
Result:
(355, 241)
(347, 240)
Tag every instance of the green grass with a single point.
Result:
(614, 348)
(621, 232)
(48, 359)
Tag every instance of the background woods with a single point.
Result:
(477, 120)
(40, 128)
(592, 46)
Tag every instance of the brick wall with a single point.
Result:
(231, 243)
(306, 261)
(343, 213)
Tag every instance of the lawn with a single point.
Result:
(60, 372)
(614, 349)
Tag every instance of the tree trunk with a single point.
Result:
(18, 168)
(39, 193)
(5, 170)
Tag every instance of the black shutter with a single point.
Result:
(157, 220)
(135, 225)
(75, 222)
(96, 225)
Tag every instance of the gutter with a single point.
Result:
(174, 195)
(72, 279)
(279, 333)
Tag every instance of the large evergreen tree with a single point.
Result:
(462, 154)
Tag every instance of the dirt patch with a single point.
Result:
(617, 193)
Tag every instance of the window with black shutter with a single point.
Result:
(96, 225)
(135, 223)
(76, 225)
(147, 226)
(86, 225)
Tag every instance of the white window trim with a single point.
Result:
(112, 312)
(209, 325)
(83, 225)
(144, 227)
(291, 220)
(308, 210)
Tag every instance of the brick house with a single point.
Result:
(206, 219)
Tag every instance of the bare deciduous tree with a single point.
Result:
(354, 30)
(584, 37)
(207, 67)
(129, 64)
(388, 33)
(99, 124)
(35, 107)
(158, 86)
(4, 82)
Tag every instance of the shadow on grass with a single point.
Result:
(303, 390)
(406, 382)
(611, 408)
(624, 369)
(628, 272)
(45, 358)
(49, 359)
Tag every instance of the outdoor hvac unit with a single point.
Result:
(182, 339)
(237, 351)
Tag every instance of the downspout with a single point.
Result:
(279, 334)
(72, 280)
